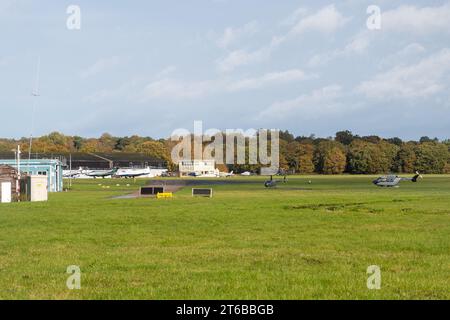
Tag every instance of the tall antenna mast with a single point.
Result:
(35, 95)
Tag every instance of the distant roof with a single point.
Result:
(12, 162)
(79, 156)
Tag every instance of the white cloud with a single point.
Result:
(402, 57)
(166, 71)
(240, 58)
(326, 20)
(357, 45)
(412, 19)
(294, 17)
(174, 89)
(100, 66)
(274, 78)
(314, 104)
(423, 79)
(232, 35)
(127, 91)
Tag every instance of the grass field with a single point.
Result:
(299, 241)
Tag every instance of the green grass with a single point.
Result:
(299, 241)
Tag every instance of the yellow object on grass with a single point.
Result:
(161, 195)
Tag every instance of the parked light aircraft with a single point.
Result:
(226, 174)
(72, 173)
(211, 174)
(132, 173)
(102, 173)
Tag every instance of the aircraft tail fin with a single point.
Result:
(416, 177)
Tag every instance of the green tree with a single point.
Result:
(368, 157)
(345, 137)
(155, 149)
(330, 157)
(432, 157)
(300, 157)
(406, 158)
(286, 136)
(106, 143)
(77, 142)
(397, 141)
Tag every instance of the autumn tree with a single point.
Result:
(345, 137)
(155, 149)
(369, 157)
(77, 143)
(406, 158)
(300, 157)
(330, 157)
(432, 157)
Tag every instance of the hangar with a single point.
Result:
(101, 161)
(110, 160)
(9, 183)
(51, 168)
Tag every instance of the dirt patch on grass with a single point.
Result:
(199, 182)
(327, 206)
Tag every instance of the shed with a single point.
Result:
(10, 175)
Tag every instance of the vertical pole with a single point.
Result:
(70, 170)
(18, 174)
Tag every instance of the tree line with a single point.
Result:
(343, 153)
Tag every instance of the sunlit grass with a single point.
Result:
(299, 241)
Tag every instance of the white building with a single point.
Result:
(204, 168)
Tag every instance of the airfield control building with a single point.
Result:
(201, 167)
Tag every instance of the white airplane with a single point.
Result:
(132, 173)
(72, 173)
(246, 173)
(101, 173)
(226, 174)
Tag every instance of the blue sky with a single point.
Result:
(150, 67)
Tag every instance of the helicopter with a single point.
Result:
(273, 183)
(391, 181)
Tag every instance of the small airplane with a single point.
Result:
(391, 181)
(226, 174)
(102, 173)
(72, 173)
(246, 174)
(195, 174)
(273, 183)
(132, 173)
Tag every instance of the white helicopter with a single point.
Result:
(391, 181)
